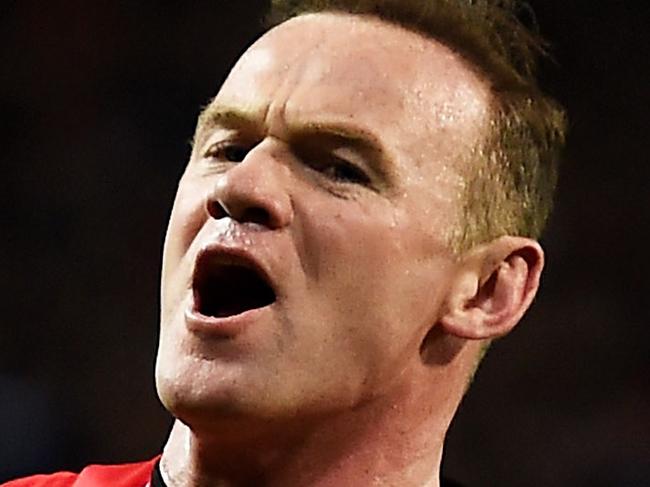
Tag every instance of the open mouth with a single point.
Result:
(228, 289)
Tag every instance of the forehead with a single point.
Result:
(396, 83)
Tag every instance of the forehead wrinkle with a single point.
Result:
(433, 82)
(402, 72)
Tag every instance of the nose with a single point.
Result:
(253, 191)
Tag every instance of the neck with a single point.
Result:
(390, 444)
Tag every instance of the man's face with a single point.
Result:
(306, 256)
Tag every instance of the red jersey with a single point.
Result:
(126, 475)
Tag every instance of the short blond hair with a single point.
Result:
(509, 185)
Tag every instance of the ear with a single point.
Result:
(495, 285)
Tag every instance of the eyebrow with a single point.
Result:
(347, 135)
(216, 116)
(341, 132)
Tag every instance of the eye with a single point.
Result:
(227, 151)
(343, 171)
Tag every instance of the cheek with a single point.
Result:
(379, 272)
(343, 242)
(186, 220)
(357, 264)
(187, 217)
(356, 267)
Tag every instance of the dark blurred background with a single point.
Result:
(97, 103)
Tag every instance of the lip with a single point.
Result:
(228, 326)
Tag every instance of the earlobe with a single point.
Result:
(495, 285)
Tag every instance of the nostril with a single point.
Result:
(257, 215)
(216, 209)
(252, 214)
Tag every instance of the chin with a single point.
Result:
(194, 401)
(194, 407)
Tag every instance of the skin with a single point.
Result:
(352, 376)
